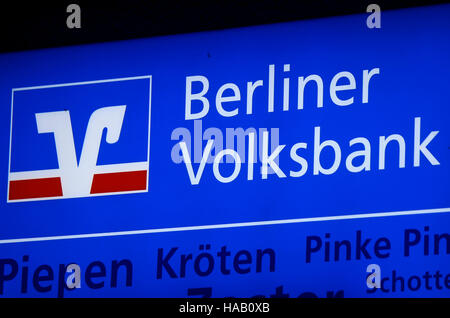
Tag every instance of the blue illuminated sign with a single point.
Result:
(299, 159)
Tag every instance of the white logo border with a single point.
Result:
(119, 79)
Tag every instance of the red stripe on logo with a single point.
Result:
(35, 188)
(119, 181)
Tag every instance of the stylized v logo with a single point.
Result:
(76, 178)
(80, 171)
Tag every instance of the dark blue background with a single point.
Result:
(81, 101)
(412, 50)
